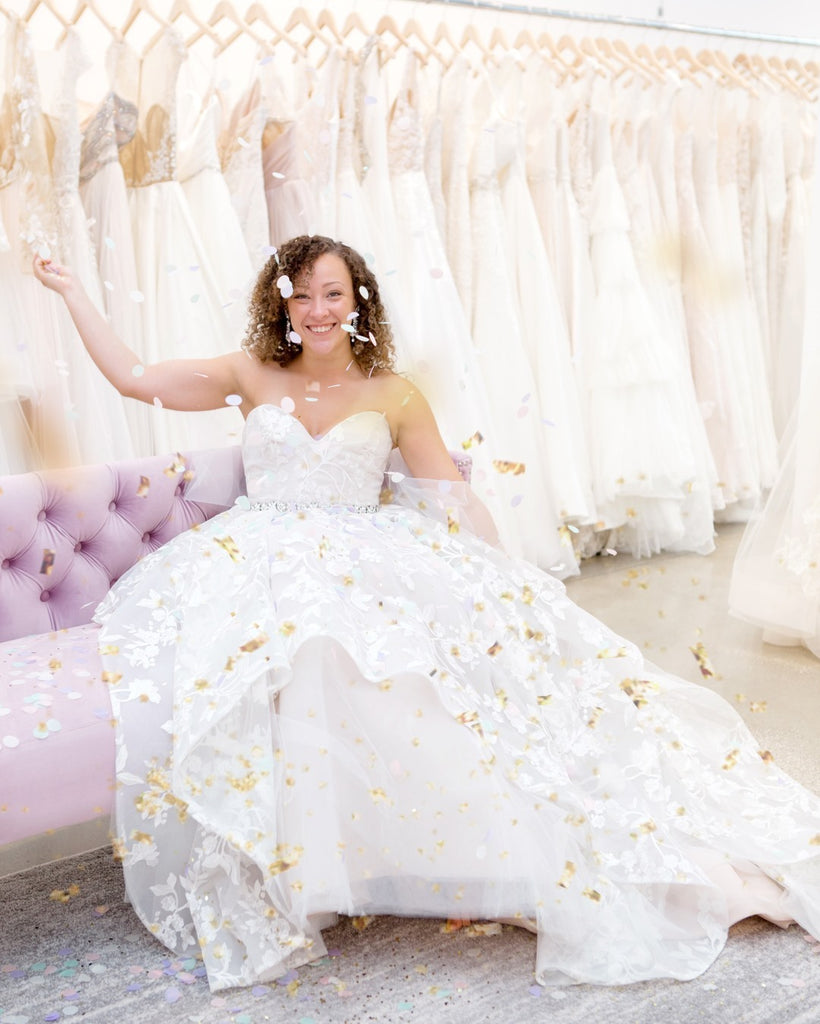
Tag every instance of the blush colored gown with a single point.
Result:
(326, 704)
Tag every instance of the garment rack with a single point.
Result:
(618, 19)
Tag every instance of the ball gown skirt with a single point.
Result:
(326, 704)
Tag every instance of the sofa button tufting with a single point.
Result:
(5, 563)
(178, 491)
(41, 515)
(78, 546)
(112, 506)
(45, 595)
(146, 538)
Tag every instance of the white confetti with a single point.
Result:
(365, 294)
(295, 339)
(287, 404)
(137, 371)
(233, 399)
(136, 296)
(283, 283)
(108, 286)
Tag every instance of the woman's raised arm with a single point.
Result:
(183, 384)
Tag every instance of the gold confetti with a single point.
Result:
(378, 795)
(731, 760)
(47, 563)
(55, 664)
(620, 652)
(477, 438)
(592, 894)
(544, 699)
(815, 840)
(702, 658)
(177, 466)
(229, 546)
(767, 756)
(527, 595)
(567, 876)
(637, 690)
(757, 705)
(143, 487)
(494, 648)
(287, 628)
(593, 720)
(362, 922)
(111, 677)
(255, 643)
(287, 857)
(64, 895)
(453, 525)
(109, 649)
(504, 466)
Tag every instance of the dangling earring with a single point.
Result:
(292, 339)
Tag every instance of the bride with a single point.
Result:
(331, 699)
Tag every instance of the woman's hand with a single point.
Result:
(53, 275)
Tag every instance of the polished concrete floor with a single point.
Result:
(670, 603)
(667, 605)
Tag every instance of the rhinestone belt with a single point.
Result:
(306, 506)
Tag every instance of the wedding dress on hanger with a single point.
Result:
(98, 410)
(105, 201)
(241, 156)
(182, 312)
(32, 355)
(544, 329)
(522, 481)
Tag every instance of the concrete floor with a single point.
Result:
(669, 603)
(666, 604)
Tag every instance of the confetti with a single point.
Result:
(702, 658)
(137, 370)
(285, 286)
(233, 399)
(143, 487)
(47, 563)
(136, 296)
(476, 438)
(294, 338)
(504, 466)
(287, 404)
(365, 294)
(567, 876)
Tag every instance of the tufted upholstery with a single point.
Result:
(66, 536)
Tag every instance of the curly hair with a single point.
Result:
(266, 337)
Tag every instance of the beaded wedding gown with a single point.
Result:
(329, 705)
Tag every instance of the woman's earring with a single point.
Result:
(292, 339)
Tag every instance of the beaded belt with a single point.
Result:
(305, 506)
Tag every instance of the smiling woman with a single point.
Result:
(281, 299)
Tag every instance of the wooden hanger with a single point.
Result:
(258, 12)
(720, 63)
(353, 22)
(179, 9)
(326, 20)
(225, 11)
(650, 60)
(412, 30)
(386, 25)
(93, 7)
(775, 64)
(470, 35)
(663, 53)
(49, 6)
(141, 7)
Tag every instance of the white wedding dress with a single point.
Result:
(326, 706)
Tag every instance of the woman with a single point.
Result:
(330, 705)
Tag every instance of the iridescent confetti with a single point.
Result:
(143, 487)
(47, 563)
(285, 286)
(702, 658)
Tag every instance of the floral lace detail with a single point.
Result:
(800, 554)
(113, 125)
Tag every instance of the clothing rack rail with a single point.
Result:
(625, 20)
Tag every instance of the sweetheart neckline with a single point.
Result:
(326, 433)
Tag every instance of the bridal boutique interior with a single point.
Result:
(595, 239)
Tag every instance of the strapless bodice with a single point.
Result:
(345, 466)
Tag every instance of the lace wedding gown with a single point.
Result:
(326, 705)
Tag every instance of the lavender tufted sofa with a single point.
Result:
(65, 536)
